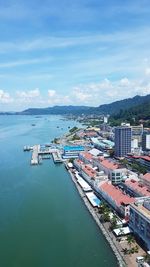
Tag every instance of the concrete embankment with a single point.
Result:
(94, 214)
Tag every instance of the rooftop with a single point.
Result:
(146, 177)
(86, 155)
(140, 208)
(138, 187)
(95, 152)
(74, 148)
(89, 171)
(117, 195)
(108, 164)
(147, 158)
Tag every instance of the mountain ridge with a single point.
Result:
(112, 108)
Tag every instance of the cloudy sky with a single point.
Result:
(81, 52)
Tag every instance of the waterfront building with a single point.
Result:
(86, 157)
(145, 142)
(145, 179)
(136, 188)
(139, 220)
(72, 151)
(77, 163)
(122, 141)
(114, 171)
(89, 174)
(116, 198)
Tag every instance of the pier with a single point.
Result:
(39, 153)
(35, 155)
(57, 157)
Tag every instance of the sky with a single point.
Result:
(81, 52)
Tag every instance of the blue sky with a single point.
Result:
(82, 52)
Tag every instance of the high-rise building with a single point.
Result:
(137, 132)
(145, 141)
(122, 141)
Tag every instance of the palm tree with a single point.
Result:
(114, 221)
(106, 217)
(136, 249)
(125, 251)
(130, 240)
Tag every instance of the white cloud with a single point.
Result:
(92, 94)
(5, 97)
(81, 95)
(28, 96)
(51, 93)
(147, 71)
(55, 98)
(108, 91)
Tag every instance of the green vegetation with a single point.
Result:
(133, 115)
(132, 249)
(56, 141)
(75, 137)
(71, 160)
(74, 129)
(135, 166)
(138, 168)
(104, 210)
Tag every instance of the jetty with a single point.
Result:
(40, 152)
(57, 157)
(35, 155)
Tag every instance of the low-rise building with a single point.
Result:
(77, 163)
(114, 171)
(116, 198)
(90, 175)
(145, 179)
(139, 220)
(136, 188)
(86, 157)
(72, 151)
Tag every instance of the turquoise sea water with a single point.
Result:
(43, 221)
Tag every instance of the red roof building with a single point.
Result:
(116, 198)
(138, 188)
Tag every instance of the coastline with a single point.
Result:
(120, 259)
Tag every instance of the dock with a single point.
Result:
(43, 152)
(57, 157)
(35, 155)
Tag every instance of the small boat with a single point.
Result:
(33, 124)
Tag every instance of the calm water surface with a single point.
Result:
(43, 221)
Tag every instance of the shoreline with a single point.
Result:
(121, 261)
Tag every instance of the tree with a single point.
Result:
(125, 251)
(114, 222)
(104, 207)
(136, 249)
(106, 217)
(130, 240)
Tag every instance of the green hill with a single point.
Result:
(134, 114)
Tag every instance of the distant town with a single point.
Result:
(110, 166)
